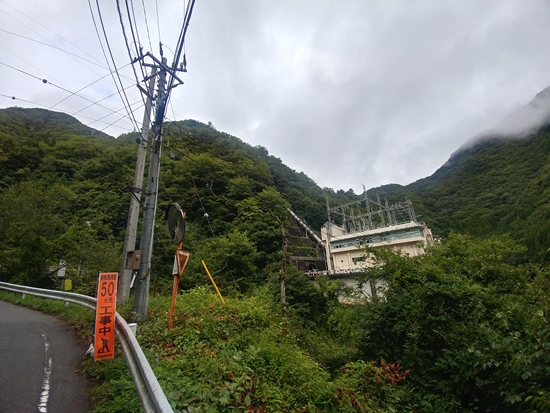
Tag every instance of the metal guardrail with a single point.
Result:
(150, 393)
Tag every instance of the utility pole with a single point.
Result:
(164, 87)
(141, 298)
(125, 278)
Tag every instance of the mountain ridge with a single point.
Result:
(499, 185)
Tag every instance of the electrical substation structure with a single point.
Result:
(367, 222)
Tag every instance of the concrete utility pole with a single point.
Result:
(141, 298)
(125, 278)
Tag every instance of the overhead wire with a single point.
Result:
(249, 191)
(55, 47)
(203, 147)
(121, 109)
(158, 20)
(45, 81)
(61, 50)
(79, 90)
(69, 53)
(122, 93)
(32, 65)
(181, 40)
(23, 100)
(38, 34)
(147, 24)
(45, 11)
(214, 156)
(72, 55)
(138, 43)
(116, 121)
(11, 97)
(166, 189)
(101, 100)
(200, 201)
(128, 46)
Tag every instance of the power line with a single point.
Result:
(42, 80)
(121, 118)
(62, 50)
(30, 64)
(181, 41)
(46, 106)
(30, 18)
(22, 71)
(101, 100)
(158, 21)
(203, 148)
(200, 200)
(55, 47)
(136, 42)
(147, 25)
(140, 48)
(23, 100)
(121, 93)
(127, 45)
(114, 65)
(249, 191)
(79, 90)
(118, 120)
(45, 81)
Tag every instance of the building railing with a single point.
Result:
(149, 391)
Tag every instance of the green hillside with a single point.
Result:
(63, 191)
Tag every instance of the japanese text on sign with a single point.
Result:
(104, 334)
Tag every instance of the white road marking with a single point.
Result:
(45, 393)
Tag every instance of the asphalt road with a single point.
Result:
(39, 358)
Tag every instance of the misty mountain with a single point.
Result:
(497, 183)
(520, 123)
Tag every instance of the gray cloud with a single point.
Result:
(350, 93)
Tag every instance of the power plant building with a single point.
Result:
(370, 223)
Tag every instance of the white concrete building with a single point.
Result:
(345, 252)
(344, 244)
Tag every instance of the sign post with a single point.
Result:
(180, 261)
(104, 331)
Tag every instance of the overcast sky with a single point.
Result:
(348, 92)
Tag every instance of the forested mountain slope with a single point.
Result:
(63, 186)
(63, 195)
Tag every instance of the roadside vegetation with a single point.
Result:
(462, 328)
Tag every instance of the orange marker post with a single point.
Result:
(104, 332)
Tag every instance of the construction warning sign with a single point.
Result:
(104, 334)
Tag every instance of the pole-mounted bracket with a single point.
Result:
(133, 190)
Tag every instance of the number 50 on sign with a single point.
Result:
(104, 334)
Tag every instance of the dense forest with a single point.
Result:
(462, 328)
(63, 196)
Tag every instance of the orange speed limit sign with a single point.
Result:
(104, 334)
